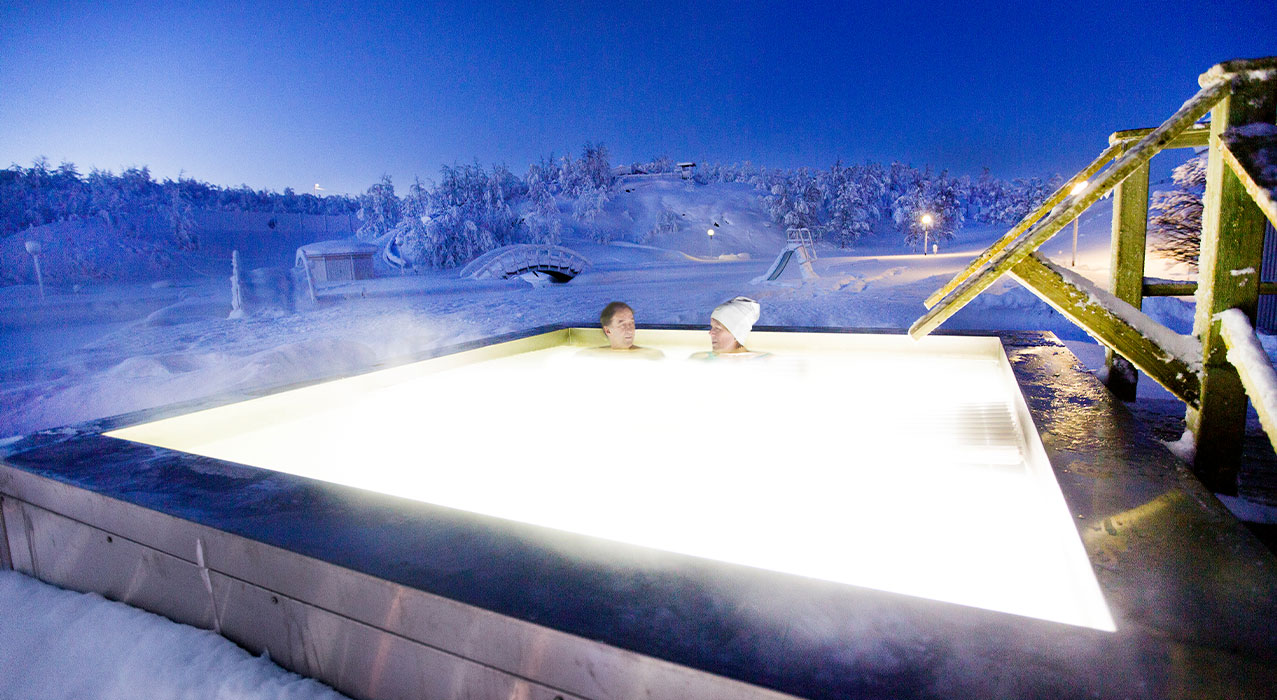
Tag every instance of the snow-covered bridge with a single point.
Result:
(557, 263)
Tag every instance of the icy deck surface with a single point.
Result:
(901, 472)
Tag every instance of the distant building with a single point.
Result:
(337, 261)
(688, 170)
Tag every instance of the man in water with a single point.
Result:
(617, 320)
(729, 326)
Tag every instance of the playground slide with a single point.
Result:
(779, 266)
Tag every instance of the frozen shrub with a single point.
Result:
(1175, 220)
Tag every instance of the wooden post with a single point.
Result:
(237, 294)
(1126, 270)
(1228, 277)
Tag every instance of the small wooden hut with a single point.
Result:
(337, 261)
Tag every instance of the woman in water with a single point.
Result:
(729, 326)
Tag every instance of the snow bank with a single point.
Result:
(63, 645)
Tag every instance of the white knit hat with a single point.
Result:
(738, 315)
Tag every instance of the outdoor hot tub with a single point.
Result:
(860, 515)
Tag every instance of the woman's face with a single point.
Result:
(721, 339)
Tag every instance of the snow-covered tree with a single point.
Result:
(796, 201)
(589, 210)
(413, 234)
(662, 164)
(934, 195)
(543, 221)
(181, 218)
(667, 223)
(465, 215)
(1175, 221)
(379, 210)
(854, 199)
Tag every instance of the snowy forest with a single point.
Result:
(471, 209)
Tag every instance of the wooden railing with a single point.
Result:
(1241, 97)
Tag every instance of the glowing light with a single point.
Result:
(916, 468)
(926, 219)
(1079, 188)
(710, 233)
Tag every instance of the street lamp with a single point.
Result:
(710, 233)
(33, 247)
(926, 232)
(1079, 188)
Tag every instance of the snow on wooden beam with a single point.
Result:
(1240, 70)
(1251, 152)
(1070, 208)
(998, 246)
(1253, 366)
(1171, 359)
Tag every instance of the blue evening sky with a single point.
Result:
(291, 94)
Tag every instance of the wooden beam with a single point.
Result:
(1126, 268)
(1188, 288)
(998, 246)
(1185, 288)
(1069, 209)
(1196, 136)
(1228, 277)
(1166, 356)
(1249, 158)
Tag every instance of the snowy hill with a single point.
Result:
(732, 210)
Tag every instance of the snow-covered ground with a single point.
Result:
(105, 349)
(60, 645)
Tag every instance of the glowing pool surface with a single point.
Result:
(866, 460)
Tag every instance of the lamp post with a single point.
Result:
(926, 232)
(1079, 188)
(710, 233)
(33, 247)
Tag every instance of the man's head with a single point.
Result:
(618, 325)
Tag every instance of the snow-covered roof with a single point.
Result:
(344, 246)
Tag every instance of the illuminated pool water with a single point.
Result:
(873, 461)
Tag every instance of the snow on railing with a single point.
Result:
(1253, 366)
(513, 259)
